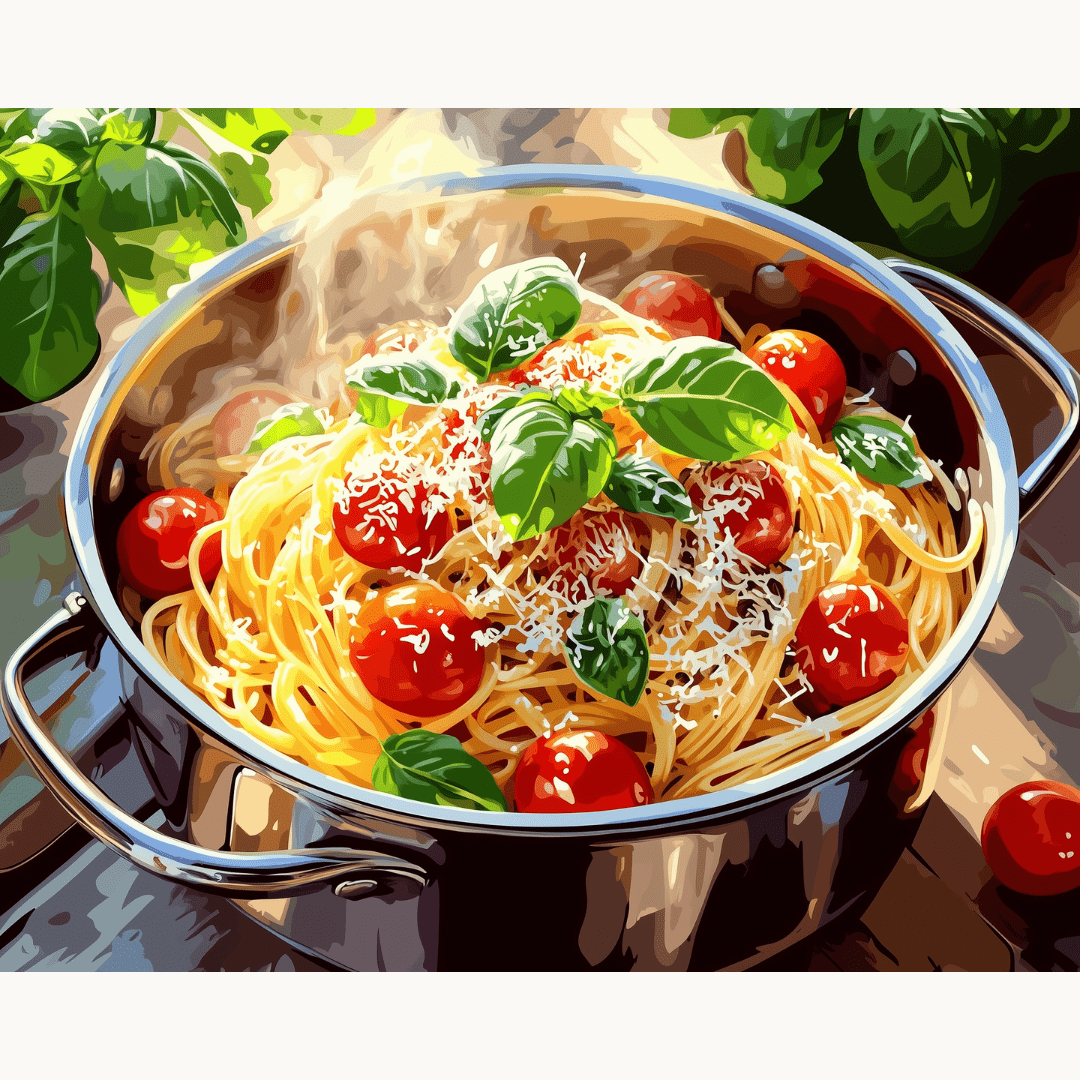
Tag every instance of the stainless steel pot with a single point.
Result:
(372, 880)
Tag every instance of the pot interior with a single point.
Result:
(417, 254)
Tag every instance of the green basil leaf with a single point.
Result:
(879, 450)
(607, 648)
(249, 184)
(72, 132)
(706, 400)
(935, 175)
(48, 305)
(11, 213)
(421, 765)
(490, 419)
(132, 126)
(1027, 130)
(153, 212)
(376, 410)
(329, 121)
(387, 390)
(546, 465)
(694, 123)
(41, 164)
(644, 487)
(786, 149)
(261, 130)
(584, 401)
(513, 313)
(414, 381)
(285, 423)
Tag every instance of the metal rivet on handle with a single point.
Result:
(74, 602)
(902, 367)
(773, 288)
(354, 890)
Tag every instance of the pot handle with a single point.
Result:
(76, 629)
(997, 322)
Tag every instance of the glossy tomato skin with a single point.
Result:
(679, 304)
(578, 771)
(765, 529)
(807, 364)
(1031, 838)
(388, 524)
(414, 650)
(602, 547)
(154, 539)
(851, 642)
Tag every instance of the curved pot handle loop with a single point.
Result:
(1000, 325)
(274, 873)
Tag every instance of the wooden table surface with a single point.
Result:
(1016, 717)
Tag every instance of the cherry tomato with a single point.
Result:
(572, 366)
(810, 366)
(155, 537)
(1031, 838)
(763, 530)
(413, 648)
(679, 304)
(851, 641)
(573, 772)
(234, 423)
(388, 524)
(602, 547)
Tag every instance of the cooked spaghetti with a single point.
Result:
(268, 642)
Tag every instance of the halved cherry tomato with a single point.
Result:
(1031, 838)
(414, 649)
(389, 524)
(679, 304)
(810, 366)
(765, 528)
(602, 547)
(574, 772)
(851, 642)
(154, 539)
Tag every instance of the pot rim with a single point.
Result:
(831, 760)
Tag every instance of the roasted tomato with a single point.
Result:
(601, 546)
(851, 642)
(154, 540)
(1031, 838)
(573, 772)
(679, 304)
(807, 364)
(760, 519)
(417, 649)
(389, 524)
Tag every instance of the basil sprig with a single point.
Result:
(643, 487)
(546, 465)
(433, 768)
(387, 390)
(513, 313)
(285, 423)
(880, 450)
(706, 400)
(490, 420)
(607, 648)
